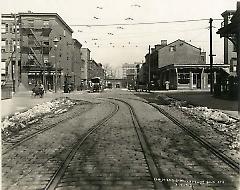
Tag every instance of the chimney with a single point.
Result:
(152, 50)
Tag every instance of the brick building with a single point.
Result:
(40, 59)
(95, 70)
(85, 55)
(10, 44)
(179, 63)
(77, 64)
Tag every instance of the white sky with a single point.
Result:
(131, 43)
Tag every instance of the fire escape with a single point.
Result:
(36, 48)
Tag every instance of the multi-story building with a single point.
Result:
(77, 63)
(95, 70)
(128, 68)
(230, 31)
(86, 59)
(38, 48)
(39, 59)
(10, 40)
(230, 53)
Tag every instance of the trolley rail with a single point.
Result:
(230, 162)
(227, 160)
(60, 171)
(37, 132)
(151, 162)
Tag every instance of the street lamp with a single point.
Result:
(55, 41)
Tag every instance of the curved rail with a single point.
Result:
(230, 162)
(58, 174)
(30, 136)
(153, 168)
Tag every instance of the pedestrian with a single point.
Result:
(167, 83)
(41, 90)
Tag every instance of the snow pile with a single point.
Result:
(209, 114)
(22, 120)
(219, 121)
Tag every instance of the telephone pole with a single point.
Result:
(211, 57)
(149, 68)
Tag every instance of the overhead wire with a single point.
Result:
(142, 23)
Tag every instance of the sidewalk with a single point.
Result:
(24, 100)
(204, 98)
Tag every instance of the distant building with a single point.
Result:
(85, 55)
(77, 63)
(129, 69)
(179, 63)
(95, 70)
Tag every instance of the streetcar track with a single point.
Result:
(32, 135)
(207, 145)
(52, 184)
(149, 157)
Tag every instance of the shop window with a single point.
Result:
(183, 78)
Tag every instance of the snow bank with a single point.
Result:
(21, 120)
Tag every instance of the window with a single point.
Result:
(46, 43)
(64, 33)
(30, 40)
(46, 23)
(10, 45)
(3, 28)
(183, 78)
(234, 48)
(172, 48)
(45, 59)
(6, 43)
(6, 27)
(3, 50)
(11, 29)
(31, 23)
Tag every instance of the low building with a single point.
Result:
(179, 64)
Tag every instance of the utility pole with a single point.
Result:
(211, 57)
(149, 68)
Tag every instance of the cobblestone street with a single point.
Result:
(97, 145)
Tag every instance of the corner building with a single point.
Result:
(40, 59)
